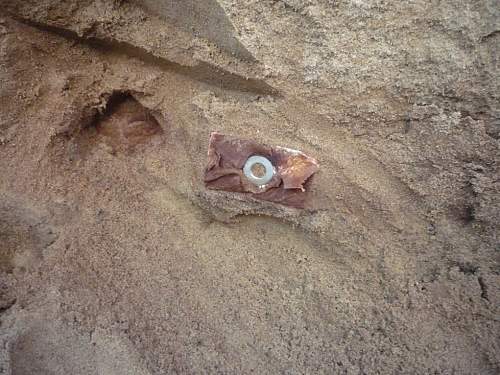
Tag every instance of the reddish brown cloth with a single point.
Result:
(224, 171)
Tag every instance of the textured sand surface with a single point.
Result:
(115, 259)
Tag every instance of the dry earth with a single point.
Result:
(114, 258)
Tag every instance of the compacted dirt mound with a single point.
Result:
(116, 259)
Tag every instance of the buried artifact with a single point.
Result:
(274, 174)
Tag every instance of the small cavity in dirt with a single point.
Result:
(123, 126)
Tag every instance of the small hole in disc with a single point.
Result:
(258, 170)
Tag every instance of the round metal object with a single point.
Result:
(268, 167)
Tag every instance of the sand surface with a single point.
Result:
(115, 258)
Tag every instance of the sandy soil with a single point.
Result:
(115, 259)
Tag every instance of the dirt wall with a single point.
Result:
(115, 259)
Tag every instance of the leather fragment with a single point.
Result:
(289, 185)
